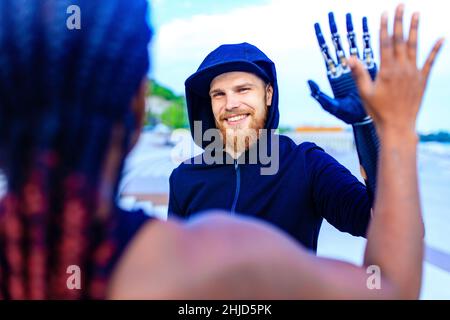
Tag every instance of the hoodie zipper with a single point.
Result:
(238, 186)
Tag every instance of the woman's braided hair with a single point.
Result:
(62, 95)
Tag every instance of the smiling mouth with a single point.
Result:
(237, 119)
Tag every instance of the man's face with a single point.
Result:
(240, 103)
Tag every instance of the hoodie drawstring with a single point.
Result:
(238, 186)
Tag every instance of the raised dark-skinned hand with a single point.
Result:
(393, 100)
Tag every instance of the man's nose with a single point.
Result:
(231, 102)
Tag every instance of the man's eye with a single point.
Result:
(243, 90)
(218, 94)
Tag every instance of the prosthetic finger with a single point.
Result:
(347, 109)
(342, 60)
(329, 62)
(328, 103)
(351, 36)
(368, 56)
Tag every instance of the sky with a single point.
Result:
(186, 31)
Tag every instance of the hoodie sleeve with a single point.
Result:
(338, 196)
(174, 208)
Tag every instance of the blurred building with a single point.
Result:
(332, 139)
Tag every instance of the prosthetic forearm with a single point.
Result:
(366, 138)
(367, 146)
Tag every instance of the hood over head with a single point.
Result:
(227, 58)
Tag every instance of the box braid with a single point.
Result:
(62, 94)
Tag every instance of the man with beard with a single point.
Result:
(258, 172)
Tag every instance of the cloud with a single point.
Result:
(283, 29)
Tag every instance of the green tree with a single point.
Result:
(158, 90)
(175, 116)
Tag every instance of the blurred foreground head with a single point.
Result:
(66, 123)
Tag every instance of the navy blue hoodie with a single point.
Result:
(309, 185)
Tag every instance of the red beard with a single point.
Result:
(239, 139)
